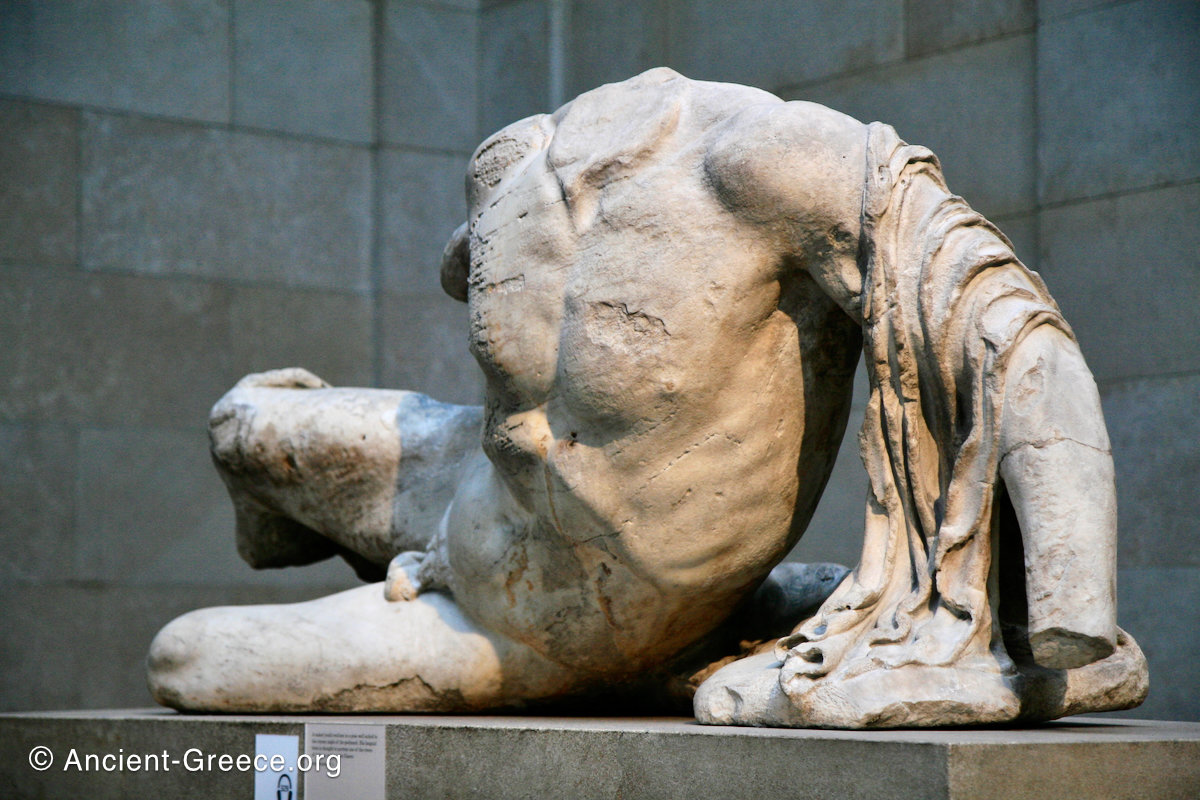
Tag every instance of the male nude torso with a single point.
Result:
(667, 382)
(664, 399)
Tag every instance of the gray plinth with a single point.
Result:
(552, 757)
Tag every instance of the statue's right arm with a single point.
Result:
(1057, 467)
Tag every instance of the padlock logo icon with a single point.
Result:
(283, 789)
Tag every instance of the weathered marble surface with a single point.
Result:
(670, 283)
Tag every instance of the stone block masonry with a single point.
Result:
(523, 757)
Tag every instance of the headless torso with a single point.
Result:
(665, 295)
(663, 399)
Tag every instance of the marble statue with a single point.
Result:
(670, 284)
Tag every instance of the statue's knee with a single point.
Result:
(238, 445)
(226, 422)
(174, 663)
(244, 436)
(218, 658)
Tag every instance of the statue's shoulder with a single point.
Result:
(787, 158)
(618, 128)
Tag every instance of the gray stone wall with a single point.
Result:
(191, 190)
(194, 189)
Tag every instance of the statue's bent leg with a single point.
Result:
(315, 471)
(352, 651)
(1058, 470)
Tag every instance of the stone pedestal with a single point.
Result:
(578, 758)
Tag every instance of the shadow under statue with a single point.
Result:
(670, 284)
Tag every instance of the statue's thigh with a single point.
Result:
(326, 458)
(350, 651)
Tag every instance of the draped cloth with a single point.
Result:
(945, 302)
